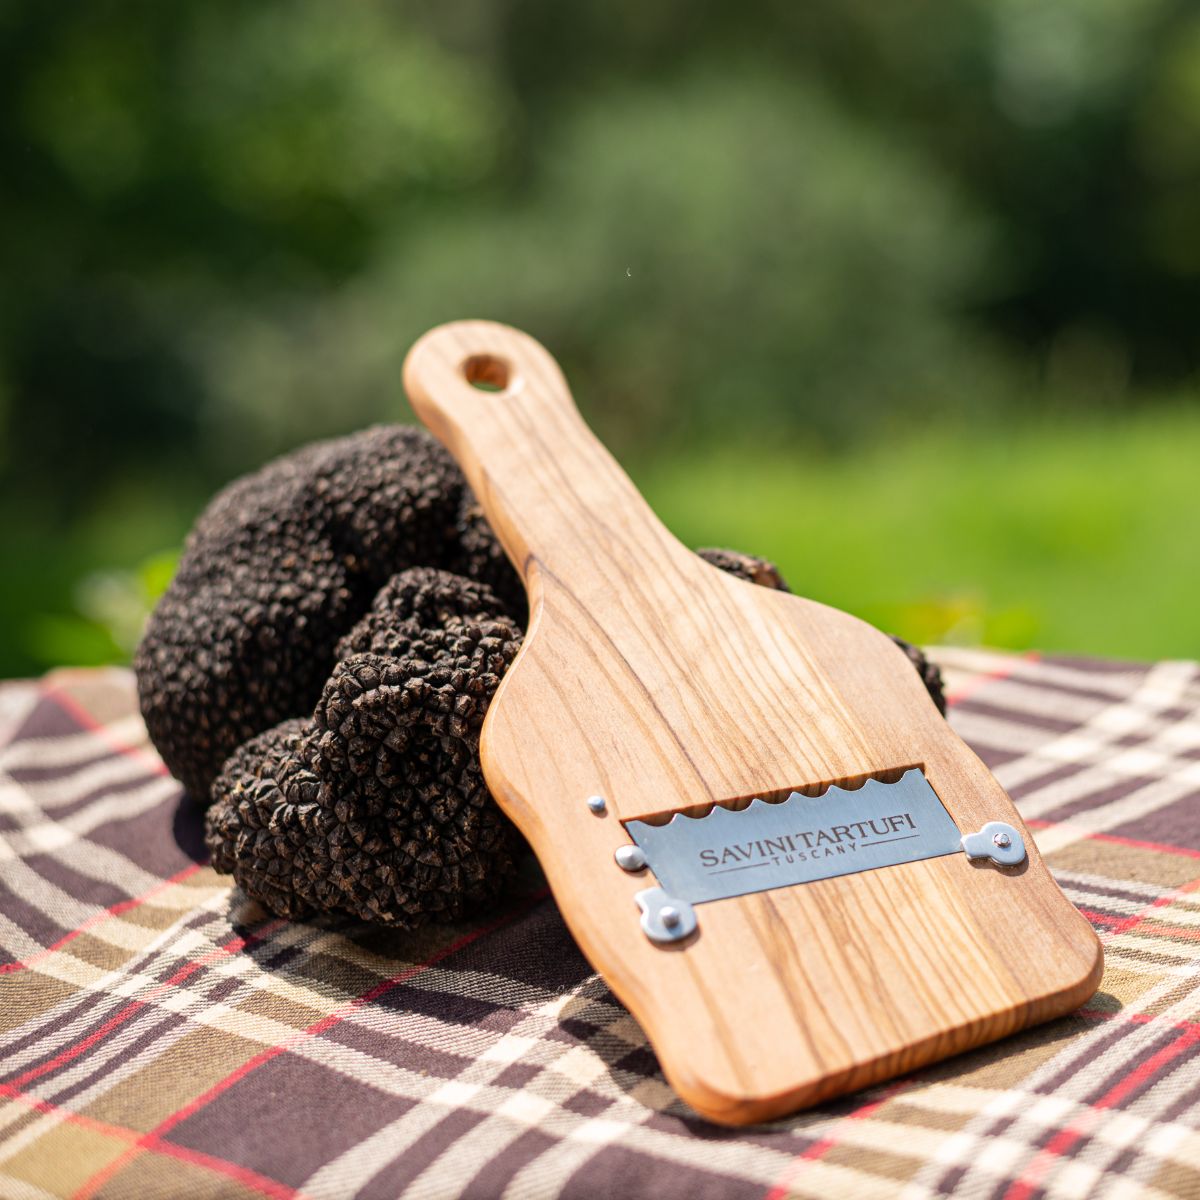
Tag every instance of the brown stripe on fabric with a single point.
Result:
(1148, 739)
(906, 1111)
(139, 1038)
(1172, 825)
(404, 1047)
(1168, 1000)
(153, 1175)
(316, 1114)
(64, 1158)
(1111, 787)
(453, 1129)
(1095, 856)
(492, 1177)
(49, 770)
(1056, 773)
(874, 1161)
(1177, 1179)
(49, 720)
(992, 707)
(98, 892)
(1074, 695)
(1123, 1163)
(41, 927)
(1183, 1110)
(1131, 669)
(286, 1009)
(1170, 956)
(162, 840)
(451, 1006)
(1121, 991)
(332, 980)
(188, 1068)
(536, 949)
(96, 952)
(1128, 893)
(653, 1176)
(27, 996)
(361, 956)
(1009, 1063)
(995, 757)
(135, 785)
(102, 695)
(1152, 1040)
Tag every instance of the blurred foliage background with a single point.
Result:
(903, 297)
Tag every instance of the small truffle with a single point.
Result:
(376, 806)
(747, 567)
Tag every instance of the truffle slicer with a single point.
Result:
(667, 729)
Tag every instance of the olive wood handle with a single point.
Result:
(557, 499)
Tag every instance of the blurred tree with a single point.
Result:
(221, 224)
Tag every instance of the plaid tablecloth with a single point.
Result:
(160, 1036)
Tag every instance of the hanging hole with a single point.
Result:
(486, 372)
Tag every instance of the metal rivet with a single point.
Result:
(665, 918)
(630, 858)
(997, 841)
(597, 805)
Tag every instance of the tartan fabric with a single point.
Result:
(161, 1036)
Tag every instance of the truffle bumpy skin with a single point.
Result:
(278, 567)
(350, 780)
(377, 805)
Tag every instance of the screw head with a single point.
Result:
(1002, 840)
(597, 804)
(630, 858)
(669, 916)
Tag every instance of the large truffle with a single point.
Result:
(276, 570)
(320, 668)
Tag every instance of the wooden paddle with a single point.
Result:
(662, 685)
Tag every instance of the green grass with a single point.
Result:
(1071, 537)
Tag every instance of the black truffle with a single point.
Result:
(376, 806)
(277, 568)
(747, 567)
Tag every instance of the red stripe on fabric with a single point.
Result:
(1120, 925)
(1097, 1014)
(252, 1179)
(1066, 1138)
(197, 1158)
(135, 1006)
(1117, 925)
(92, 1185)
(1146, 1070)
(79, 714)
(1002, 672)
(819, 1149)
(1115, 839)
(113, 910)
(72, 1052)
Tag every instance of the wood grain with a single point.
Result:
(665, 685)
